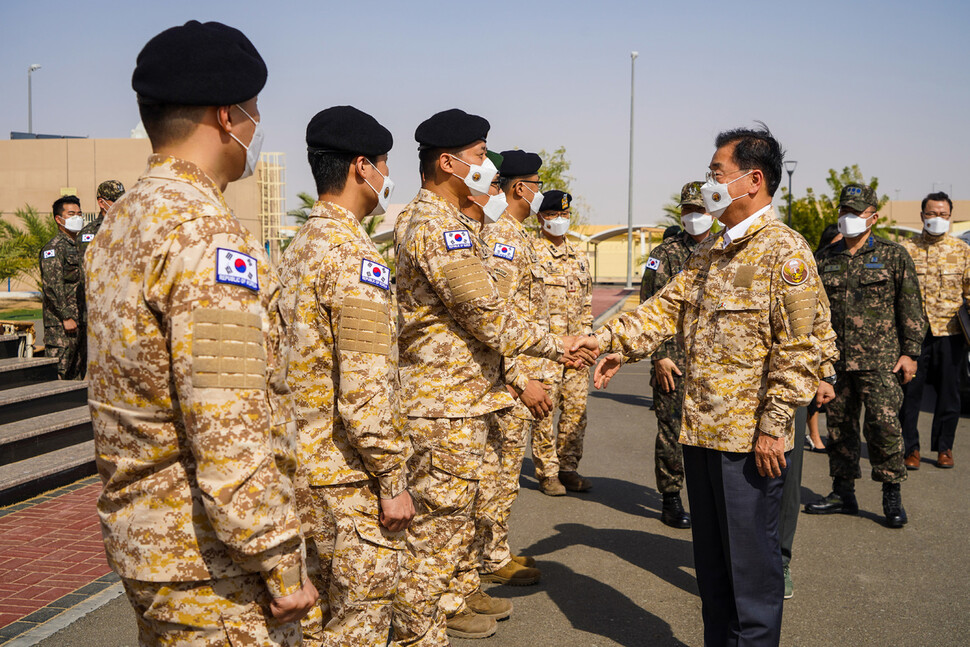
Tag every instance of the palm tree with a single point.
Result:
(302, 213)
(20, 247)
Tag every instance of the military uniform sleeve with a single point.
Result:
(460, 279)
(637, 334)
(662, 277)
(828, 349)
(57, 291)
(587, 317)
(794, 357)
(365, 349)
(220, 335)
(910, 318)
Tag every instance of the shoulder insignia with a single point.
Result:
(653, 264)
(236, 268)
(794, 271)
(504, 251)
(87, 238)
(49, 253)
(375, 274)
(458, 239)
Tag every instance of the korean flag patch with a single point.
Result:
(458, 239)
(87, 238)
(504, 251)
(375, 274)
(653, 264)
(236, 268)
(49, 253)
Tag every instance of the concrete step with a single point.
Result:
(42, 398)
(34, 436)
(21, 371)
(24, 479)
(10, 345)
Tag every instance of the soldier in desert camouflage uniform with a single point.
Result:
(108, 193)
(878, 318)
(454, 331)
(62, 279)
(747, 304)
(342, 329)
(194, 432)
(665, 261)
(569, 290)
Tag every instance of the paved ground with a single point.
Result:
(614, 575)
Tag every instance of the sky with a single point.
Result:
(885, 85)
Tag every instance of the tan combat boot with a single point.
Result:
(485, 605)
(551, 486)
(468, 624)
(574, 482)
(524, 560)
(513, 573)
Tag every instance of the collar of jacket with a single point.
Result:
(759, 223)
(180, 170)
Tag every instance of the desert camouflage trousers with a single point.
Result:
(214, 613)
(882, 396)
(668, 453)
(554, 452)
(355, 564)
(443, 477)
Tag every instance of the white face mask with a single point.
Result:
(697, 223)
(536, 202)
(479, 176)
(852, 226)
(384, 195)
(556, 226)
(74, 224)
(255, 144)
(936, 226)
(716, 195)
(495, 207)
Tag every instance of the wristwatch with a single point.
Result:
(830, 379)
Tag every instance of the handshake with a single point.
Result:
(580, 350)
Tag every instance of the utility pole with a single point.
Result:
(629, 212)
(30, 97)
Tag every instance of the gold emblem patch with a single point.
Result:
(565, 203)
(716, 197)
(476, 176)
(794, 271)
(387, 192)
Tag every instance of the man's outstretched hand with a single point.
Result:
(606, 369)
(581, 350)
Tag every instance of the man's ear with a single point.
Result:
(757, 179)
(446, 163)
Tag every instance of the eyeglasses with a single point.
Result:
(536, 182)
(933, 214)
(717, 176)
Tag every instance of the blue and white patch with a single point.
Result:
(49, 253)
(87, 238)
(504, 251)
(237, 268)
(375, 274)
(653, 264)
(458, 239)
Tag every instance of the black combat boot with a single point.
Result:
(892, 505)
(841, 500)
(673, 513)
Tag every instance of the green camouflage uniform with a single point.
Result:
(109, 190)
(665, 261)
(877, 315)
(63, 298)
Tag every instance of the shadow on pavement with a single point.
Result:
(599, 609)
(623, 398)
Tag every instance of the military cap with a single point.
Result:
(111, 190)
(671, 231)
(345, 129)
(858, 197)
(199, 64)
(451, 129)
(691, 196)
(495, 157)
(519, 163)
(555, 200)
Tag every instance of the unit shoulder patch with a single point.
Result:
(504, 251)
(653, 264)
(458, 239)
(794, 271)
(375, 274)
(49, 253)
(87, 238)
(237, 268)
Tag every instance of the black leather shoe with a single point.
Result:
(834, 503)
(673, 513)
(892, 505)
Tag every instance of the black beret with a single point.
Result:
(345, 129)
(519, 163)
(199, 64)
(451, 129)
(555, 200)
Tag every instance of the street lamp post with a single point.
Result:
(629, 212)
(30, 97)
(790, 167)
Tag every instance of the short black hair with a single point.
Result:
(829, 233)
(505, 182)
(330, 169)
(428, 159)
(939, 196)
(168, 123)
(756, 149)
(58, 205)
